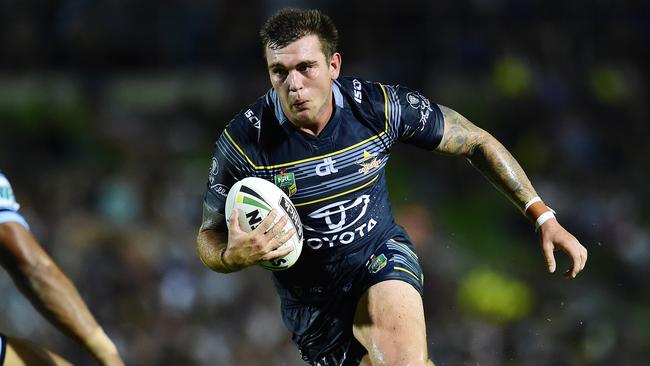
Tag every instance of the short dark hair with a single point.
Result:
(291, 24)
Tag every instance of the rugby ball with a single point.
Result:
(255, 198)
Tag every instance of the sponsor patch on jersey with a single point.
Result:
(252, 119)
(368, 162)
(357, 90)
(214, 167)
(345, 221)
(421, 103)
(286, 182)
(220, 189)
(376, 263)
(326, 167)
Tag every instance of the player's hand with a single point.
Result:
(262, 244)
(554, 237)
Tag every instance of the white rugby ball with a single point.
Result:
(255, 198)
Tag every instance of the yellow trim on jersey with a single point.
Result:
(338, 194)
(409, 136)
(407, 271)
(405, 246)
(385, 106)
(319, 156)
(239, 149)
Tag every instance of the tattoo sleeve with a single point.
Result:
(485, 153)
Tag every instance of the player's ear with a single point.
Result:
(335, 65)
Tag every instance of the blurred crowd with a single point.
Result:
(108, 114)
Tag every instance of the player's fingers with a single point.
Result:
(583, 258)
(585, 254)
(267, 223)
(549, 256)
(283, 238)
(278, 253)
(277, 228)
(576, 258)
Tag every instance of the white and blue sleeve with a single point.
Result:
(8, 205)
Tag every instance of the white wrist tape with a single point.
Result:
(543, 218)
(532, 200)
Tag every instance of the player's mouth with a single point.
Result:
(300, 104)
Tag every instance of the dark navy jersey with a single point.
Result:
(336, 180)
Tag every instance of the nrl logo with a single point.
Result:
(286, 182)
(376, 263)
(368, 162)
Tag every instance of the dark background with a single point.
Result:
(108, 114)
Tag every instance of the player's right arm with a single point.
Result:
(51, 292)
(226, 248)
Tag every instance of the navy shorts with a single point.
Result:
(319, 307)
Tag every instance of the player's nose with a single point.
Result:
(295, 80)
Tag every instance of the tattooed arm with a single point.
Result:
(490, 157)
(485, 153)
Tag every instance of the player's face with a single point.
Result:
(302, 77)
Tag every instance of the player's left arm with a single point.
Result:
(492, 159)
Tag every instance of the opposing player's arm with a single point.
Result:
(490, 157)
(51, 292)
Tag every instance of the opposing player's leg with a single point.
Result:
(23, 353)
(389, 323)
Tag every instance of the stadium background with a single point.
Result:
(109, 109)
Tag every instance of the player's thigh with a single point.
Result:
(389, 323)
(23, 353)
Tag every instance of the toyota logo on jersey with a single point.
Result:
(336, 214)
(344, 219)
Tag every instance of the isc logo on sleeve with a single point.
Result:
(357, 90)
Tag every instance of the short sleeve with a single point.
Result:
(413, 118)
(227, 167)
(8, 205)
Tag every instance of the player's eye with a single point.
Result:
(304, 68)
(279, 73)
